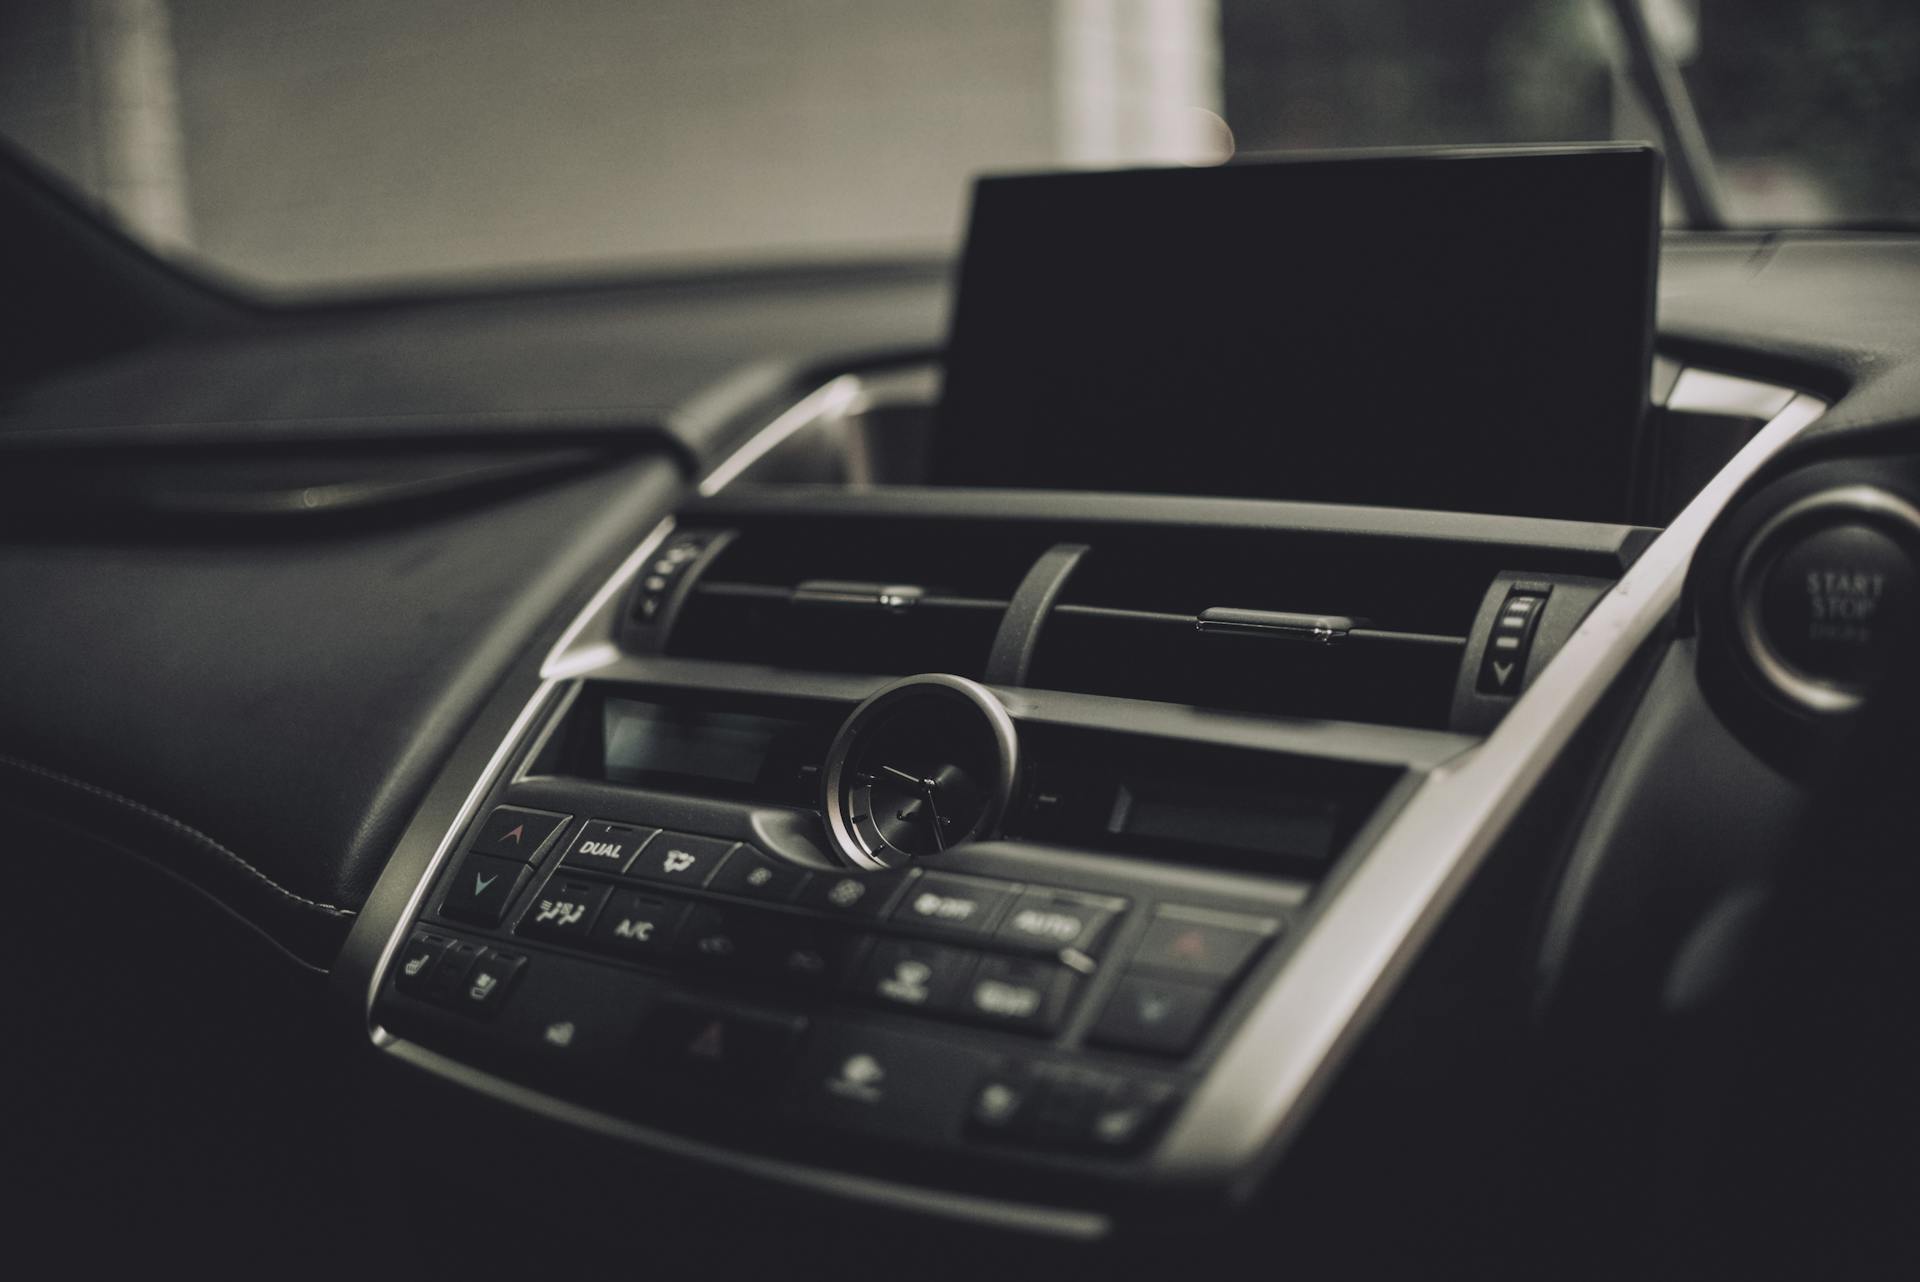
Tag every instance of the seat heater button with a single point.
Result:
(1016, 993)
(1002, 1106)
(680, 859)
(564, 910)
(607, 847)
(1160, 1016)
(1128, 1120)
(483, 990)
(915, 976)
(1197, 941)
(1054, 919)
(513, 832)
(637, 925)
(963, 905)
(414, 965)
(482, 889)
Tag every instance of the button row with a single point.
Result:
(964, 907)
(1068, 1108)
(936, 979)
(1177, 976)
(817, 1071)
(456, 974)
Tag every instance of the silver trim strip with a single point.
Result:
(828, 401)
(1344, 969)
(1701, 391)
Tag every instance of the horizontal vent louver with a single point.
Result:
(1289, 623)
(868, 596)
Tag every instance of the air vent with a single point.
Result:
(1298, 623)
(887, 597)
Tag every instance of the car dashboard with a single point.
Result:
(559, 748)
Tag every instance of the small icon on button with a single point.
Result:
(559, 1033)
(997, 1103)
(1153, 1007)
(483, 986)
(846, 892)
(418, 963)
(676, 861)
(908, 983)
(711, 1043)
(560, 912)
(480, 883)
(859, 1079)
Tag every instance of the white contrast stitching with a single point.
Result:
(201, 837)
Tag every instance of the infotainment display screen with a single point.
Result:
(1461, 330)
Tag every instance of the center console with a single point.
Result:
(983, 851)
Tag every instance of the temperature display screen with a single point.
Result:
(647, 744)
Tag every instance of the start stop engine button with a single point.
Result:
(1835, 599)
(1833, 595)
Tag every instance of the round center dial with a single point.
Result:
(922, 766)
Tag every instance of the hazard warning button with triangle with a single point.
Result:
(721, 1043)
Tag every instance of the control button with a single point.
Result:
(884, 1083)
(1128, 1119)
(1014, 992)
(915, 975)
(802, 956)
(482, 889)
(414, 965)
(964, 905)
(564, 910)
(1196, 941)
(751, 874)
(483, 989)
(720, 937)
(1066, 1099)
(513, 832)
(724, 1043)
(1836, 603)
(637, 925)
(1002, 1105)
(860, 896)
(1504, 664)
(607, 847)
(1056, 919)
(1161, 1016)
(453, 967)
(680, 858)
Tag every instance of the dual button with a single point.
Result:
(674, 858)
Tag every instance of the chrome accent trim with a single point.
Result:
(1701, 391)
(495, 764)
(828, 401)
(846, 842)
(972, 1208)
(1757, 560)
(1346, 966)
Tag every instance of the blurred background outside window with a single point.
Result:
(301, 143)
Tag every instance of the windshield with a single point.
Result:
(299, 145)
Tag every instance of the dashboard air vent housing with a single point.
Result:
(882, 597)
